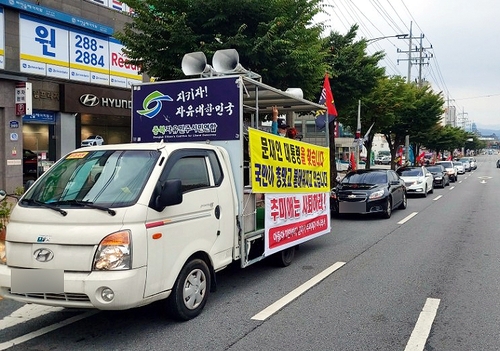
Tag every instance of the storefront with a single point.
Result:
(98, 111)
(38, 128)
(65, 114)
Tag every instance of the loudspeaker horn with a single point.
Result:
(226, 61)
(195, 63)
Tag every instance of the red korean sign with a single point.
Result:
(291, 219)
(23, 99)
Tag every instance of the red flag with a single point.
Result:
(352, 162)
(399, 156)
(330, 103)
(326, 99)
(420, 157)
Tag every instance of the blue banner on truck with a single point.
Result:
(187, 110)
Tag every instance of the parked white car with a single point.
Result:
(93, 140)
(460, 167)
(418, 180)
(450, 169)
(473, 163)
(467, 165)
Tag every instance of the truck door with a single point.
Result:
(199, 223)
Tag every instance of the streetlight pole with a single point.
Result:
(399, 36)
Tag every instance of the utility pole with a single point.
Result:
(420, 62)
(463, 119)
(408, 77)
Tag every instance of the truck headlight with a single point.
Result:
(114, 252)
(3, 255)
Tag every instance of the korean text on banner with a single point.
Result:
(282, 165)
(291, 219)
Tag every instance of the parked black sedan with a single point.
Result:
(369, 191)
(440, 175)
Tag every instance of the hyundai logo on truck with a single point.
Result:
(43, 255)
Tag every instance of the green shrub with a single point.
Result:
(5, 210)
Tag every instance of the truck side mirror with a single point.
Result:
(171, 194)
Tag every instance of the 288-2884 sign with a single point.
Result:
(60, 51)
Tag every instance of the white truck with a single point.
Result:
(120, 226)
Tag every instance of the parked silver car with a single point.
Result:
(465, 161)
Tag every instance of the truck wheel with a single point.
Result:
(190, 291)
(285, 257)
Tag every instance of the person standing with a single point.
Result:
(278, 126)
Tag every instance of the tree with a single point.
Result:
(380, 107)
(354, 74)
(474, 144)
(428, 113)
(276, 39)
(418, 109)
(446, 138)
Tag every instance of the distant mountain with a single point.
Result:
(487, 131)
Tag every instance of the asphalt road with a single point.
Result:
(442, 252)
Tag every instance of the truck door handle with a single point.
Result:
(217, 212)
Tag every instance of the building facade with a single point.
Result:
(63, 77)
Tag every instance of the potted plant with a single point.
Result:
(5, 210)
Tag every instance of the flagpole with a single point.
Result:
(358, 135)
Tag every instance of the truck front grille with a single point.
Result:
(54, 296)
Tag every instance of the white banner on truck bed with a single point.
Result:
(291, 219)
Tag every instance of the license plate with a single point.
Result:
(37, 281)
(352, 207)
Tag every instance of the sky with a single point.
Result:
(461, 41)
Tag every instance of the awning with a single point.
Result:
(260, 98)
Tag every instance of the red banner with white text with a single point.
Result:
(291, 219)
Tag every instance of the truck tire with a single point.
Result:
(285, 257)
(190, 292)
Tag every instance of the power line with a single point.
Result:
(478, 97)
(394, 18)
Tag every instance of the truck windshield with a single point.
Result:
(110, 178)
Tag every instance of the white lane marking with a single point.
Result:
(25, 313)
(452, 187)
(5, 345)
(420, 333)
(437, 197)
(407, 218)
(285, 300)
